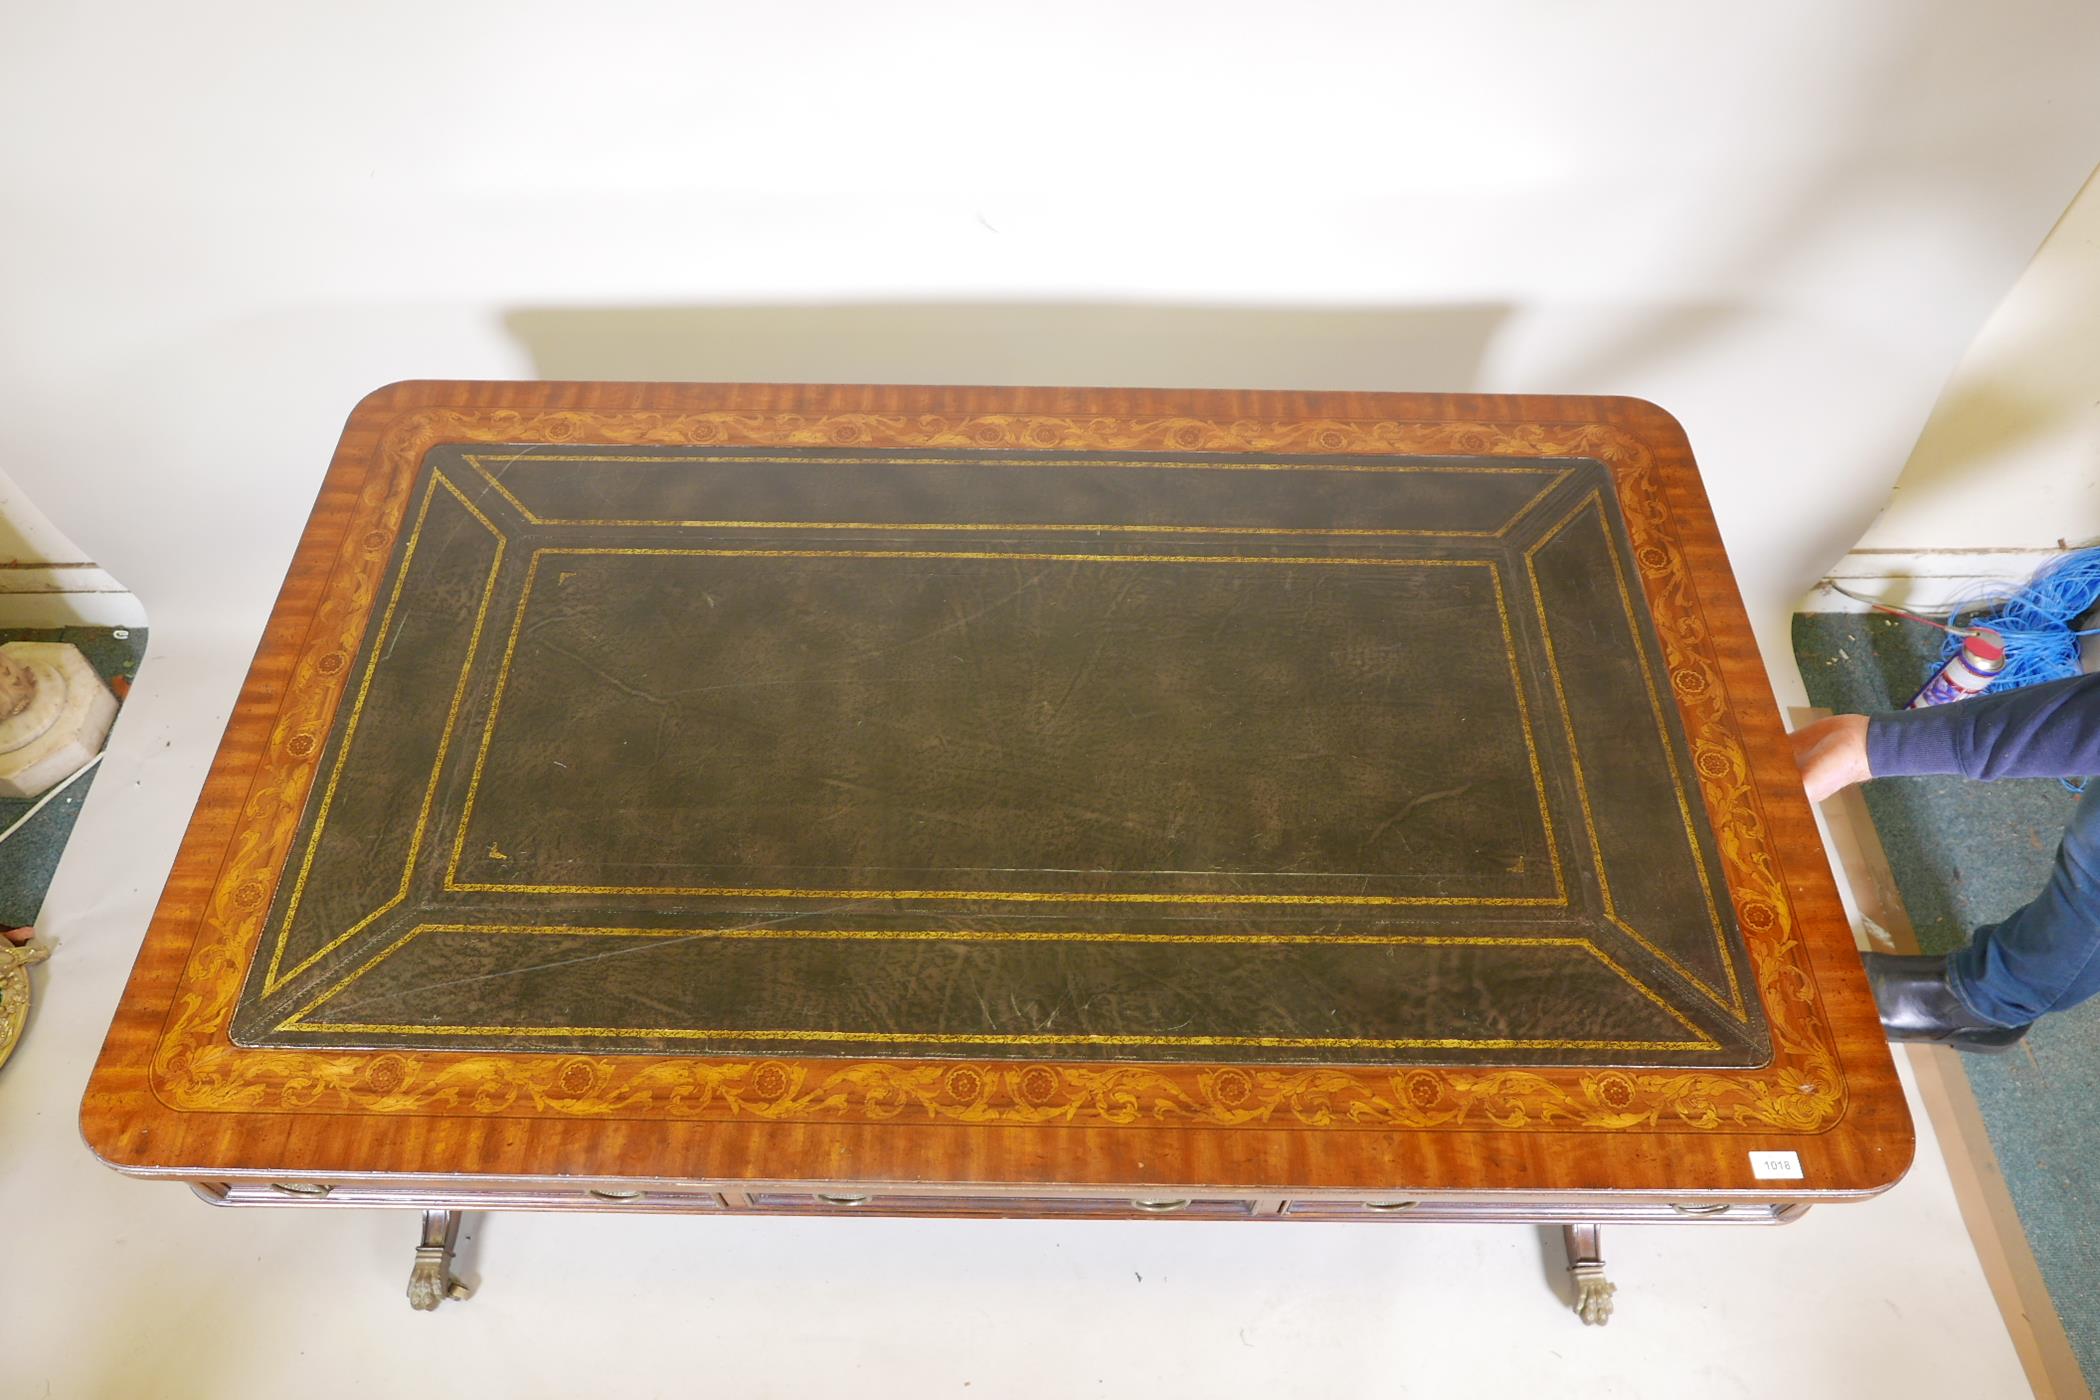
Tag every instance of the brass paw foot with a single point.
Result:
(431, 1281)
(1593, 1291)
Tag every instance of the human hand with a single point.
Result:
(1832, 754)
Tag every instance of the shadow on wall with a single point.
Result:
(2018, 395)
(1403, 348)
(2007, 458)
(46, 580)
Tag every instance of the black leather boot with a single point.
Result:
(1917, 1004)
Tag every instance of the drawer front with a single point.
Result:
(1630, 1210)
(892, 1203)
(1381, 1208)
(439, 1196)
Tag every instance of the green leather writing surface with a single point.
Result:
(1071, 756)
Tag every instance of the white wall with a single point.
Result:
(225, 222)
(45, 579)
(28, 539)
(2007, 469)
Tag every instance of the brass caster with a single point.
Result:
(1593, 1291)
(431, 1281)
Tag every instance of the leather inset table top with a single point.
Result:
(1075, 756)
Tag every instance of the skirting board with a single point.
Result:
(43, 595)
(1929, 581)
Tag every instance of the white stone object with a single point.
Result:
(60, 725)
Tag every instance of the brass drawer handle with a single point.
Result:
(614, 1195)
(312, 1191)
(1391, 1205)
(843, 1200)
(1718, 1208)
(1161, 1207)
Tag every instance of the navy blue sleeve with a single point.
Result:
(2038, 731)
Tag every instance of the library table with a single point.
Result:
(1005, 802)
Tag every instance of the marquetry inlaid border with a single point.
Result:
(196, 1068)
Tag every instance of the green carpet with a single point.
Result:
(30, 856)
(1966, 853)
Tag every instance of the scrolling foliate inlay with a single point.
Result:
(196, 1067)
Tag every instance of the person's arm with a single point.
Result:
(2038, 731)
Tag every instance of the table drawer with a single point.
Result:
(890, 1203)
(438, 1196)
(1590, 1210)
(1380, 1207)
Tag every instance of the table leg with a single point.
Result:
(1593, 1291)
(431, 1282)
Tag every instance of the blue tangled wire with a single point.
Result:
(2038, 621)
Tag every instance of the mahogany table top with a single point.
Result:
(1019, 787)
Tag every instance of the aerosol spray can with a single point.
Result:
(1967, 672)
